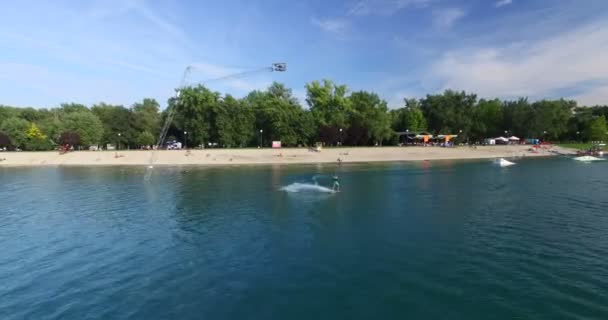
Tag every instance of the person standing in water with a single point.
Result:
(336, 186)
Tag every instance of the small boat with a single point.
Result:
(587, 159)
(503, 162)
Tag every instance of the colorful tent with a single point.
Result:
(447, 137)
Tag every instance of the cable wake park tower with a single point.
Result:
(275, 67)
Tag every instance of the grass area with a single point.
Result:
(578, 146)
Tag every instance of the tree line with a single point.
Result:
(334, 115)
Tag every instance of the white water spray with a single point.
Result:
(298, 187)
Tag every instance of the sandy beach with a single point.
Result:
(265, 156)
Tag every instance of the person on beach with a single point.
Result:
(336, 186)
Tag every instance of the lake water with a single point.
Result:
(427, 240)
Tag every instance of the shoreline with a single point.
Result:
(227, 157)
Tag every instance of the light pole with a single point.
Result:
(340, 136)
(185, 139)
(460, 134)
(261, 131)
(577, 136)
(544, 136)
(118, 145)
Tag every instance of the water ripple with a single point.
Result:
(451, 240)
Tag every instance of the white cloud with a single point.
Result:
(94, 46)
(161, 23)
(46, 85)
(336, 26)
(395, 101)
(106, 9)
(502, 3)
(594, 96)
(446, 17)
(80, 55)
(383, 7)
(32, 76)
(342, 26)
(571, 60)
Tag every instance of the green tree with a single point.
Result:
(145, 139)
(600, 111)
(196, 110)
(306, 128)
(360, 118)
(16, 129)
(8, 112)
(5, 141)
(31, 114)
(38, 145)
(36, 140)
(487, 119)
(86, 125)
(597, 129)
(235, 123)
(578, 123)
(146, 116)
(73, 107)
(549, 118)
(409, 118)
(34, 132)
(369, 119)
(115, 119)
(449, 112)
(280, 116)
(518, 117)
(50, 125)
(330, 108)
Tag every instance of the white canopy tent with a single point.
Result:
(513, 138)
(489, 141)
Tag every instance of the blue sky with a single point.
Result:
(120, 51)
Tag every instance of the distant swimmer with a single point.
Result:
(336, 185)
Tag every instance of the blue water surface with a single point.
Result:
(419, 240)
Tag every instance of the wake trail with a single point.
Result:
(298, 187)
